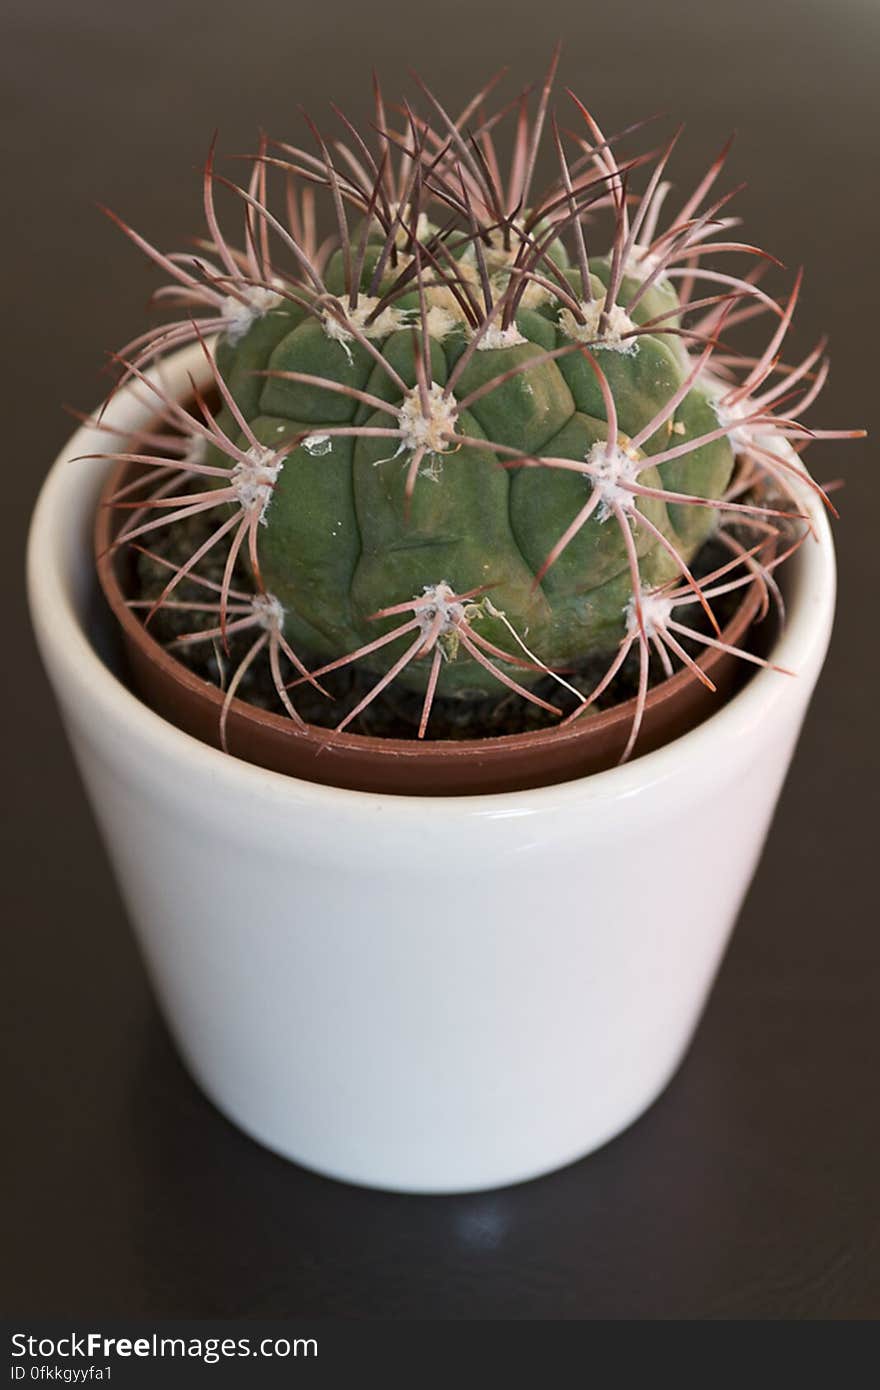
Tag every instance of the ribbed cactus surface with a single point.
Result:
(341, 537)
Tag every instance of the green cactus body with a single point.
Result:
(340, 541)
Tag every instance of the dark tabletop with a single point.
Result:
(750, 1189)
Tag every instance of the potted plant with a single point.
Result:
(439, 551)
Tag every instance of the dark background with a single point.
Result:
(750, 1189)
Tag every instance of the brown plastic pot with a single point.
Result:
(430, 767)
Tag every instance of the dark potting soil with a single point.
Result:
(396, 712)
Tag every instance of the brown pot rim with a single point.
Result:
(364, 762)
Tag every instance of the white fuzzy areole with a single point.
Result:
(427, 430)
(656, 612)
(499, 264)
(611, 337)
(497, 337)
(442, 602)
(445, 605)
(533, 296)
(402, 234)
(381, 326)
(440, 320)
(496, 256)
(268, 612)
(254, 480)
(239, 317)
(743, 437)
(612, 467)
(640, 263)
(450, 315)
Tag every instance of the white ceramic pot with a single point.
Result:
(420, 994)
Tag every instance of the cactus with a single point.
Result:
(456, 444)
